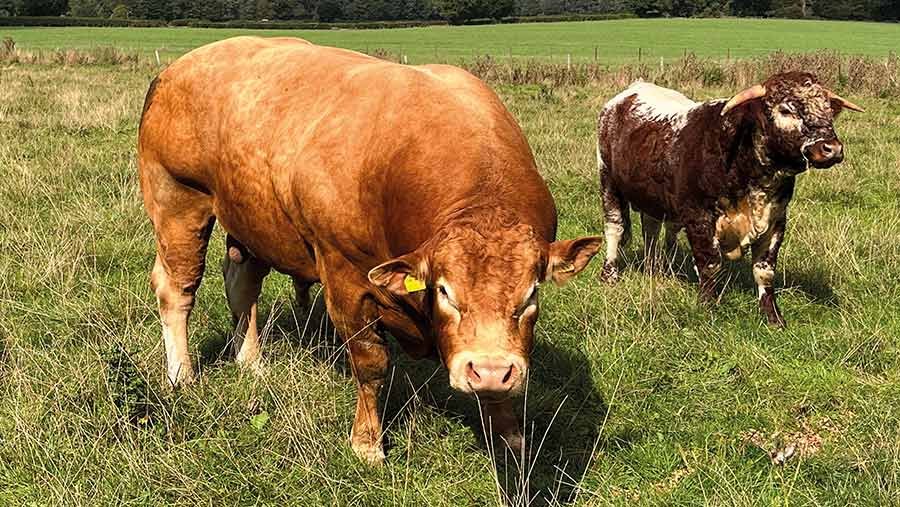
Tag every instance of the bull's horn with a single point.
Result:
(844, 102)
(754, 92)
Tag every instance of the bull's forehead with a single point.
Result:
(495, 264)
(802, 89)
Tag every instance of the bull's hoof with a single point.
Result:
(776, 322)
(609, 274)
(514, 441)
(178, 376)
(370, 453)
(708, 298)
(253, 366)
(773, 315)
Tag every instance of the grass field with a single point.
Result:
(616, 41)
(638, 396)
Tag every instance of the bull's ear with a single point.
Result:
(567, 258)
(400, 276)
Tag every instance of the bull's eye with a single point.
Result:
(444, 296)
(529, 304)
(787, 110)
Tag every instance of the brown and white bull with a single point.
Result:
(722, 170)
(409, 192)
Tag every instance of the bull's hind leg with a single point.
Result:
(671, 242)
(244, 276)
(183, 223)
(301, 294)
(650, 228)
(617, 229)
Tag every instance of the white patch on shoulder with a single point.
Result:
(655, 103)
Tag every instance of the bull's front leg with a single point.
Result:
(765, 257)
(500, 418)
(701, 231)
(355, 318)
(369, 361)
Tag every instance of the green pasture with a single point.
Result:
(613, 41)
(638, 395)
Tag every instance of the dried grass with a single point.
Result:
(862, 74)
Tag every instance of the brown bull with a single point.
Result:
(410, 193)
(723, 170)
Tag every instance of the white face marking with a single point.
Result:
(786, 118)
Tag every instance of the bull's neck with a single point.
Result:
(745, 158)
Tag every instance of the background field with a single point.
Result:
(616, 41)
(637, 394)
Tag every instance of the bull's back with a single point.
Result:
(297, 143)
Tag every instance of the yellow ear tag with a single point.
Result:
(413, 284)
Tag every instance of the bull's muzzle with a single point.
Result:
(824, 154)
(488, 375)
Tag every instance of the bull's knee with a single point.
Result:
(764, 275)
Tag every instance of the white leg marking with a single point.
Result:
(764, 275)
(614, 233)
(174, 308)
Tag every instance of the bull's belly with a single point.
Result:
(257, 221)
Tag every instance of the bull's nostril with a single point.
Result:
(827, 149)
(472, 373)
(509, 374)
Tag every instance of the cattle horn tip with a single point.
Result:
(846, 104)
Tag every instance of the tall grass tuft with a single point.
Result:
(103, 55)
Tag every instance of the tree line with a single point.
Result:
(451, 10)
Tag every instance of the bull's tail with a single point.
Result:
(148, 99)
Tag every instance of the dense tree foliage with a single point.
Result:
(453, 10)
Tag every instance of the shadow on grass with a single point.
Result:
(563, 417)
(811, 282)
